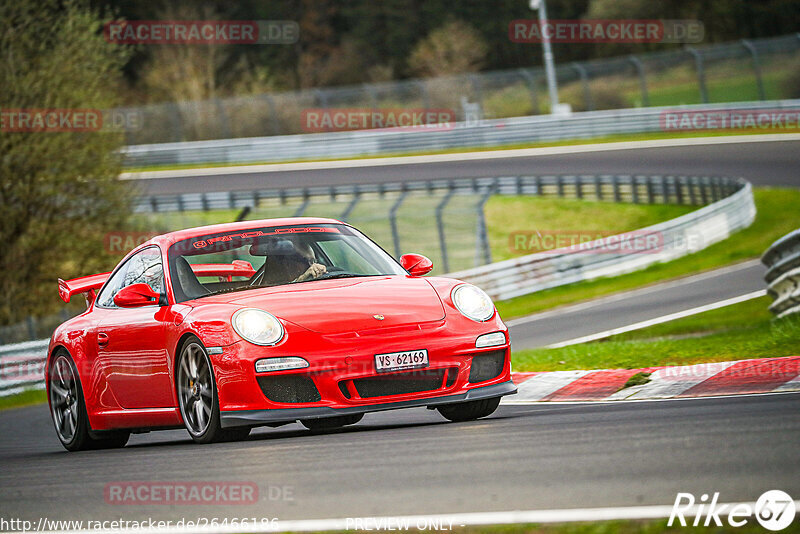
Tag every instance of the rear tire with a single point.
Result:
(469, 411)
(331, 423)
(68, 409)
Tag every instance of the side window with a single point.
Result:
(144, 267)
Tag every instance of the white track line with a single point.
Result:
(659, 320)
(448, 521)
(635, 292)
(460, 156)
(509, 401)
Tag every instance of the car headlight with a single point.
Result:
(257, 326)
(473, 302)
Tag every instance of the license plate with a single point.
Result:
(394, 361)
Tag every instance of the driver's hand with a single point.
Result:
(315, 271)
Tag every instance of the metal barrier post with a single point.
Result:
(306, 199)
(482, 237)
(393, 221)
(637, 63)
(223, 118)
(587, 93)
(756, 68)
(701, 73)
(177, 122)
(273, 115)
(351, 206)
(440, 226)
(531, 82)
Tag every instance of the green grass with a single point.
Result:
(638, 379)
(507, 216)
(753, 311)
(777, 216)
(25, 398)
(737, 332)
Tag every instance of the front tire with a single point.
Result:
(469, 411)
(68, 410)
(197, 394)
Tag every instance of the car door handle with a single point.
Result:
(102, 339)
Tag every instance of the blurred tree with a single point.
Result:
(362, 40)
(59, 192)
(454, 48)
(178, 73)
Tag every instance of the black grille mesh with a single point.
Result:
(487, 366)
(399, 383)
(289, 388)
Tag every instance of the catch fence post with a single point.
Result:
(440, 226)
(701, 73)
(393, 221)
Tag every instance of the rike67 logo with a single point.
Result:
(774, 510)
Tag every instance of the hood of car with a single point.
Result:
(348, 304)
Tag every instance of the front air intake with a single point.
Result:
(487, 366)
(290, 389)
(399, 383)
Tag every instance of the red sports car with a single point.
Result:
(224, 328)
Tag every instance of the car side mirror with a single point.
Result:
(136, 296)
(416, 264)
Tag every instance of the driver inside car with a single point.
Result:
(305, 262)
(287, 260)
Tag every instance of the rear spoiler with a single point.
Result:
(90, 284)
(85, 284)
(226, 270)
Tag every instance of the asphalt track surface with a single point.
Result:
(763, 163)
(601, 315)
(413, 462)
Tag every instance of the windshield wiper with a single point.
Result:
(333, 276)
(233, 290)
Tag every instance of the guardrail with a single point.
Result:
(658, 243)
(487, 133)
(728, 206)
(605, 83)
(22, 366)
(782, 259)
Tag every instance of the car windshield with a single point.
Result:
(273, 256)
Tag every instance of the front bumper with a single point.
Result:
(257, 417)
(342, 378)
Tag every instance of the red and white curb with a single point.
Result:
(764, 375)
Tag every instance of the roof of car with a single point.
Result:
(173, 237)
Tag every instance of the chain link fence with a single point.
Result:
(762, 69)
(442, 219)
